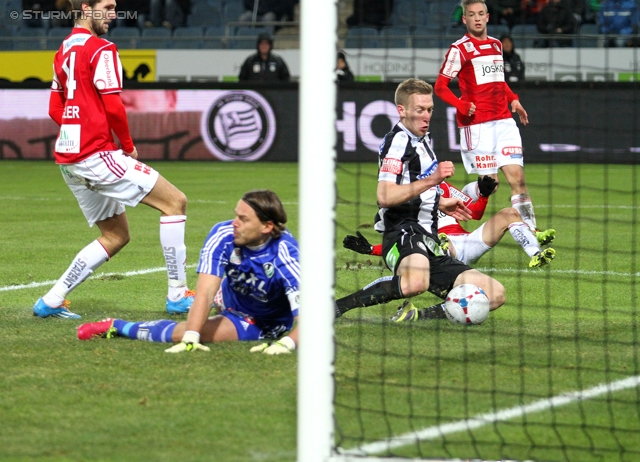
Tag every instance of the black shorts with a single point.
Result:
(411, 238)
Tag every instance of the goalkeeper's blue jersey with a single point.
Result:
(262, 283)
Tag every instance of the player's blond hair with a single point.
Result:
(411, 87)
(268, 207)
(466, 3)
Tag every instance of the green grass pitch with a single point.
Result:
(564, 328)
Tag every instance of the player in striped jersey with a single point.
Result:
(85, 102)
(409, 200)
(248, 271)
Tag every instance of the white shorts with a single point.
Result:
(488, 146)
(107, 181)
(469, 247)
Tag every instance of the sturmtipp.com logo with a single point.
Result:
(239, 125)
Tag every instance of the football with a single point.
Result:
(467, 304)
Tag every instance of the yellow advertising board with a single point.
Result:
(17, 66)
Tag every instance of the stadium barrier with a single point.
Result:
(569, 122)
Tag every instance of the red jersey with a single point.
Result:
(478, 64)
(84, 68)
(448, 224)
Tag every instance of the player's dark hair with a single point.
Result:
(411, 87)
(268, 207)
(76, 7)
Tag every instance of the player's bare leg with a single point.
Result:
(494, 289)
(172, 203)
(216, 329)
(414, 273)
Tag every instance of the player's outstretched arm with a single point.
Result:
(206, 289)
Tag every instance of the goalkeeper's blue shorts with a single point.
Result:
(248, 330)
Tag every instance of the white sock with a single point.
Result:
(175, 253)
(523, 235)
(522, 203)
(86, 262)
(472, 190)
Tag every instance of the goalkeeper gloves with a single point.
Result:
(358, 244)
(283, 346)
(190, 342)
(486, 185)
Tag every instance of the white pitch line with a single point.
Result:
(354, 267)
(31, 285)
(482, 420)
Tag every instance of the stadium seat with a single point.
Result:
(431, 37)
(55, 36)
(411, 14)
(204, 15)
(232, 10)
(155, 37)
(188, 38)
(439, 14)
(396, 37)
(589, 36)
(125, 37)
(214, 37)
(525, 35)
(245, 38)
(6, 39)
(30, 39)
(497, 30)
(362, 37)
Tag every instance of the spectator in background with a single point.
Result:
(556, 19)
(264, 65)
(48, 13)
(343, 72)
(137, 13)
(373, 13)
(168, 13)
(532, 9)
(513, 65)
(507, 12)
(619, 17)
(268, 10)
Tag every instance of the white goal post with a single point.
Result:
(317, 156)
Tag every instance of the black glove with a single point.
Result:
(358, 244)
(487, 185)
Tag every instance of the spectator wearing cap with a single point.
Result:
(264, 65)
(343, 73)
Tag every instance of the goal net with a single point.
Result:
(553, 374)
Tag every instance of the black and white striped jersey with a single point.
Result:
(403, 159)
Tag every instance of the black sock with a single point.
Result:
(432, 312)
(381, 290)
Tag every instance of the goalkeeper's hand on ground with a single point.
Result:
(486, 185)
(358, 244)
(283, 346)
(190, 342)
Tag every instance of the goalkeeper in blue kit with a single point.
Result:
(248, 271)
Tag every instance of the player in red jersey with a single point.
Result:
(489, 137)
(85, 102)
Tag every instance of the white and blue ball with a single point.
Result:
(467, 304)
